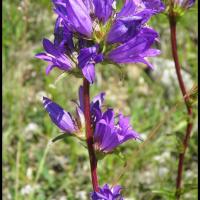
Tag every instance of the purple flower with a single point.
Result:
(95, 105)
(185, 4)
(108, 135)
(136, 49)
(128, 22)
(106, 193)
(54, 56)
(75, 15)
(87, 59)
(63, 36)
(155, 6)
(131, 19)
(103, 9)
(60, 117)
(64, 119)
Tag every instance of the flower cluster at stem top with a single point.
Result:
(88, 32)
(106, 193)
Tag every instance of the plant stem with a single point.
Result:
(172, 21)
(89, 134)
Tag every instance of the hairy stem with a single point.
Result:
(172, 21)
(89, 134)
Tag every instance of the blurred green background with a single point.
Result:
(60, 171)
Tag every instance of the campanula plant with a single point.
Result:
(88, 32)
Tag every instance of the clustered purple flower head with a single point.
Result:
(106, 193)
(108, 134)
(88, 32)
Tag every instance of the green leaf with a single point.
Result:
(60, 137)
(170, 195)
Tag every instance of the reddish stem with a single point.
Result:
(89, 134)
(189, 109)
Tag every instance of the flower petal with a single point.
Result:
(100, 98)
(60, 117)
(103, 9)
(80, 93)
(101, 129)
(134, 50)
(75, 13)
(89, 72)
(128, 9)
(44, 56)
(49, 68)
(49, 48)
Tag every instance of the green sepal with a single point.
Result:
(100, 155)
(76, 72)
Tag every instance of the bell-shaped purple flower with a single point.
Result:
(95, 107)
(131, 19)
(60, 117)
(75, 14)
(107, 193)
(63, 36)
(64, 119)
(54, 56)
(87, 59)
(125, 28)
(108, 135)
(136, 49)
(103, 9)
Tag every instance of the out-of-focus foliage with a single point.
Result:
(34, 170)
